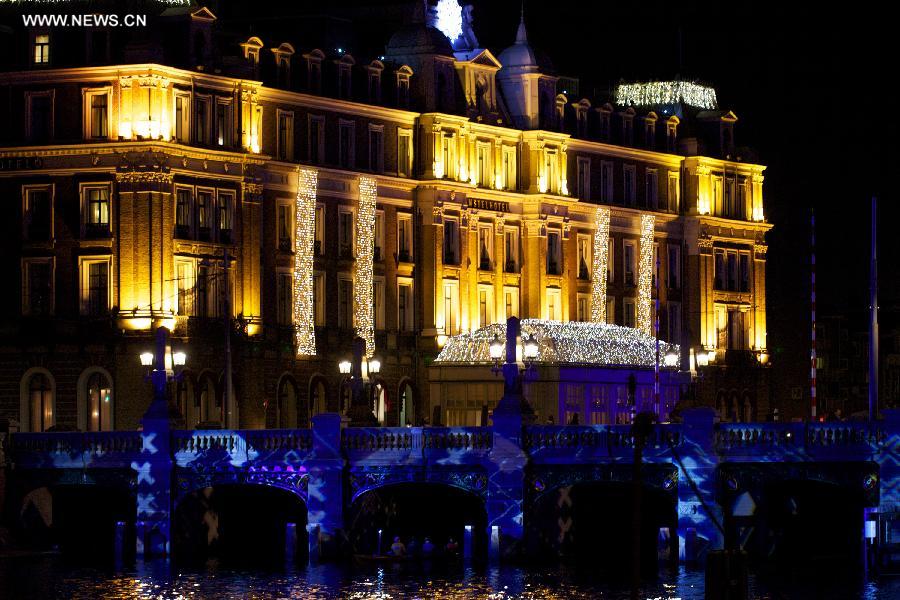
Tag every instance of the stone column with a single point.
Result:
(325, 492)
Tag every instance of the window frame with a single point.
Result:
(26, 285)
(404, 163)
(284, 149)
(84, 289)
(30, 95)
(88, 94)
(376, 133)
(317, 122)
(27, 189)
(350, 151)
(89, 229)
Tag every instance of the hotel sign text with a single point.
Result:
(495, 205)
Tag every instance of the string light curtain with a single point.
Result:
(645, 274)
(364, 317)
(656, 93)
(600, 262)
(304, 239)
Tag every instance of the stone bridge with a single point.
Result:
(706, 468)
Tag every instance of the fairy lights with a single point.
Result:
(449, 18)
(571, 342)
(645, 274)
(600, 265)
(304, 238)
(654, 93)
(365, 248)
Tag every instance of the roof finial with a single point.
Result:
(521, 34)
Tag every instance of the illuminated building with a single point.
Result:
(406, 197)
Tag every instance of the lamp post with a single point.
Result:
(361, 371)
(164, 365)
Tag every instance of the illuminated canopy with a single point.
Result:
(569, 343)
(653, 93)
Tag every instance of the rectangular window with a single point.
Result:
(95, 286)
(284, 292)
(202, 291)
(95, 202)
(201, 120)
(610, 310)
(551, 171)
(345, 303)
(404, 305)
(674, 267)
(378, 302)
(37, 288)
(511, 301)
(379, 236)
(584, 257)
(554, 253)
(629, 260)
(448, 154)
(584, 178)
(731, 267)
(718, 207)
(319, 299)
(404, 237)
(315, 149)
(404, 152)
(184, 210)
(554, 304)
(611, 260)
(345, 233)
(652, 189)
(451, 307)
(485, 305)
(628, 305)
(729, 197)
(744, 270)
(204, 214)
(184, 271)
(584, 307)
(223, 122)
(484, 165)
(606, 182)
(42, 49)
(719, 282)
(319, 243)
(182, 118)
(346, 150)
(451, 241)
(285, 140)
(226, 216)
(40, 116)
(674, 323)
(403, 91)
(737, 339)
(509, 168)
(376, 148)
(485, 247)
(511, 249)
(673, 191)
(285, 226)
(37, 221)
(629, 188)
(99, 115)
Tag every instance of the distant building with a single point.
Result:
(314, 195)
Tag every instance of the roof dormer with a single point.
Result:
(283, 55)
(251, 50)
(344, 82)
(373, 81)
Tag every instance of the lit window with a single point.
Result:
(99, 405)
(584, 257)
(511, 250)
(405, 306)
(99, 115)
(184, 271)
(404, 238)
(41, 414)
(42, 49)
(96, 207)
(404, 153)
(485, 248)
(95, 288)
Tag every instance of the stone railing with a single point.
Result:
(415, 443)
(65, 449)
(845, 438)
(597, 441)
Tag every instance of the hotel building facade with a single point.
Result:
(296, 198)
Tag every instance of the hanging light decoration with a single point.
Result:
(645, 274)
(304, 239)
(600, 263)
(654, 93)
(365, 249)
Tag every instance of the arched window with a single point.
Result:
(346, 396)
(287, 403)
(407, 412)
(380, 398)
(318, 398)
(184, 399)
(99, 405)
(207, 400)
(40, 409)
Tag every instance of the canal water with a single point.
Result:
(49, 577)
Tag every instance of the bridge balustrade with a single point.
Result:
(595, 442)
(68, 449)
(798, 441)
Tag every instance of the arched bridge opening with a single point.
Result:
(240, 525)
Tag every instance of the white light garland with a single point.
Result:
(600, 265)
(666, 92)
(564, 343)
(304, 240)
(365, 249)
(645, 274)
(449, 18)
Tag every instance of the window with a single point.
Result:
(37, 287)
(319, 299)
(483, 157)
(285, 141)
(652, 185)
(404, 237)
(97, 114)
(319, 243)
(285, 226)
(511, 301)
(606, 181)
(345, 233)
(378, 302)
(203, 291)
(611, 260)
(737, 338)
(584, 307)
(37, 221)
(584, 257)
(719, 282)
(226, 216)
(403, 89)
(628, 305)
(717, 196)
(223, 122)
(315, 149)
(283, 65)
(650, 134)
(42, 49)
(729, 201)
(554, 304)
(404, 152)
(375, 86)
(404, 304)
(485, 247)
(673, 190)
(744, 272)
(551, 172)
(39, 122)
(379, 236)
(674, 267)
(95, 203)
(610, 310)
(629, 258)
(451, 241)
(671, 137)
(95, 288)
(485, 305)
(509, 168)
(201, 120)
(451, 307)
(99, 403)
(314, 74)
(345, 303)
(674, 323)
(627, 130)
(182, 118)
(584, 178)
(184, 271)
(554, 253)
(376, 148)
(41, 414)
(511, 249)
(731, 269)
(604, 125)
(629, 190)
(344, 80)
(284, 293)
(204, 213)
(184, 209)
(448, 155)
(346, 150)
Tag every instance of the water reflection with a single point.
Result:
(51, 578)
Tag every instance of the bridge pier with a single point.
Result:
(699, 515)
(325, 488)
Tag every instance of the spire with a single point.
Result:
(521, 34)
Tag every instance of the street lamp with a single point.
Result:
(671, 359)
(362, 372)
(513, 402)
(163, 366)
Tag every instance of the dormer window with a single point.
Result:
(605, 112)
(581, 117)
(374, 81)
(344, 81)
(314, 71)
(560, 111)
(628, 127)
(251, 51)
(403, 75)
(283, 54)
(672, 135)
(42, 49)
(650, 131)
